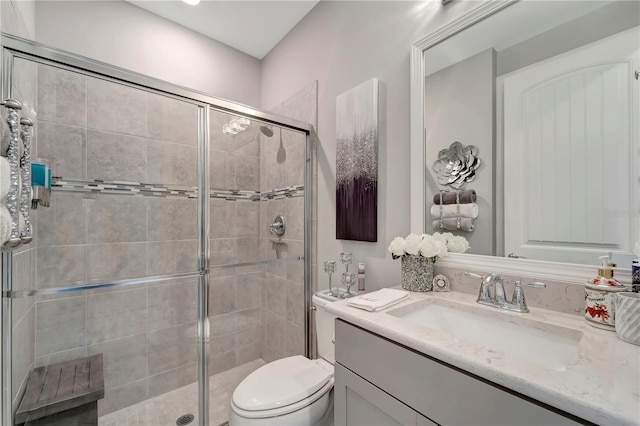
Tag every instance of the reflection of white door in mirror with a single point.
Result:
(568, 153)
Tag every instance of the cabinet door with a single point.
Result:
(359, 403)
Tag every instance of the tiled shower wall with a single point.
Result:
(234, 293)
(282, 164)
(257, 311)
(95, 129)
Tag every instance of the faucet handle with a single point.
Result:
(472, 275)
(518, 301)
(535, 284)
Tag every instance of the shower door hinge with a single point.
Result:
(636, 74)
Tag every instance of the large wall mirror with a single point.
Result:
(547, 94)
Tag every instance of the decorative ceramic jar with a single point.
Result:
(600, 305)
(417, 273)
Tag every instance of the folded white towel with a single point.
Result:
(5, 224)
(5, 169)
(451, 210)
(5, 138)
(5, 135)
(451, 224)
(378, 300)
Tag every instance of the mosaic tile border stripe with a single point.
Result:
(278, 194)
(120, 187)
(89, 186)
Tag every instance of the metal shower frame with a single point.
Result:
(15, 47)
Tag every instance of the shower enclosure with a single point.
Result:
(160, 250)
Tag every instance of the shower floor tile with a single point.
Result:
(164, 410)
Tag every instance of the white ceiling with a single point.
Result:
(253, 27)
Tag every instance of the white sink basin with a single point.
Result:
(547, 345)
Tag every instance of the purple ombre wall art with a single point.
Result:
(357, 163)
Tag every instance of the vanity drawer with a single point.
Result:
(442, 393)
(358, 402)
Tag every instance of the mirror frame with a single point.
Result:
(518, 267)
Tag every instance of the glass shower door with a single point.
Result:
(112, 274)
(257, 298)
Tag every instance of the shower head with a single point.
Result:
(266, 130)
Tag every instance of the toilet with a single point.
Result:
(294, 390)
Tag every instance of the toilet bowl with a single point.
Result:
(294, 390)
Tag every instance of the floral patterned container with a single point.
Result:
(599, 302)
(417, 273)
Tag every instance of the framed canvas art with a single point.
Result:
(357, 163)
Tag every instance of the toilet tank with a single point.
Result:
(325, 326)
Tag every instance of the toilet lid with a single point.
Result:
(280, 383)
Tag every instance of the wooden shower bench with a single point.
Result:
(63, 394)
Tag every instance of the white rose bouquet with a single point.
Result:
(434, 246)
(419, 252)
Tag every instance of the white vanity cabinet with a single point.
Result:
(379, 382)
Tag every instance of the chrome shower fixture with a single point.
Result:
(266, 130)
(278, 226)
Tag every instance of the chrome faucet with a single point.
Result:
(498, 299)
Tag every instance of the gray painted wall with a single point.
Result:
(342, 44)
(18, 18)
(604, 22)
(460, 108)
(124, 35)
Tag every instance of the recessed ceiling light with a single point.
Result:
(191, 2)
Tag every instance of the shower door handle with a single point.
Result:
(206, 332)
(13, 157)
(26, 134)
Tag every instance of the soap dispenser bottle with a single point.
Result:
(599, 308)
(635, 276)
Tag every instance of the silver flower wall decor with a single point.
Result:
(457, 165)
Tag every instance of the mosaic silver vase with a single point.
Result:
(417, 273)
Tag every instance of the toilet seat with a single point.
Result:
(281, 387)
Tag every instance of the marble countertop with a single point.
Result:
(601, 383)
